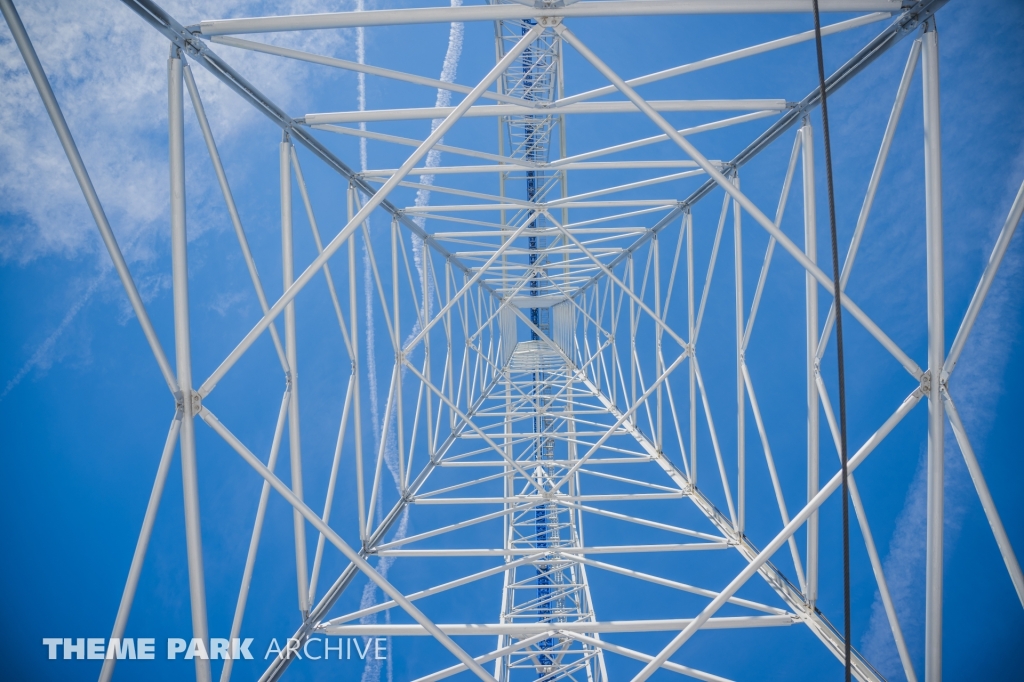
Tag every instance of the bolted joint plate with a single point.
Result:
(195, 403)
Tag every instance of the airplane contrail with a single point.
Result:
(44, 349)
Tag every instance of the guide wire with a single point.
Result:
(837, 294)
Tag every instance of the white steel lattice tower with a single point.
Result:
(546, 349)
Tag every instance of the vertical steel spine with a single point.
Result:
(936, 352)
(691, 330)
(183, 359)
(811, 250)
(741, 454)
(294, 435)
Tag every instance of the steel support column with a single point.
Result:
(936, 352)
(741, 402)
(811, 289)
(294, 437)
(183, 359)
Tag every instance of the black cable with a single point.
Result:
(839, 347)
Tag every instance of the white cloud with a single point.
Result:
(227, 301)
(976, 386)
(108, 70)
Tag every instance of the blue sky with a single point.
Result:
(83, 410)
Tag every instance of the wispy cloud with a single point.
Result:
(108, 70)
(444, 98)
(449, 69)
(980, 97)
(42, 356)
(976, 385)
(229, 300)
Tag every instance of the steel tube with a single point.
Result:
(516, 164)
(452, 584)
(257, 533)
(904, 25)
(691, 334)
(517, 110)
(236, 221)
(183, 360)
(496, 654)
(869, 544)
(873, 183)
(714, 442)
(667, 665)
(811, 369)
(741, 403)
(320, 247)
(128, 596)
(711, 594)
(779, 211)
(354, 557)
(433, 15)
(611, 549)
(998, 251)
(184, 39)
(643, 142)
(521, 629)
(318, 613)
(773, 473)
(331, 484)
(294, 433)
(373, 202)
(728, 57)
(936, 352)
(356, 66)
(987, 503)
(35, 69)
(755, 564)
(719, 178)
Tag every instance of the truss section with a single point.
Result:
(546, 438)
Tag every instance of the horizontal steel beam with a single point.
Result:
(621, 8)
(524, 629)
(611, 549)
(514, 167)
(355, 66)
(426, 113)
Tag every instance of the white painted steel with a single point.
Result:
(183, 359)
(139, 557)
(499, 12)
(539, 628)
(60, 125)
(512, 110)
(811, 364)
(536, 341)
(936, 354)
